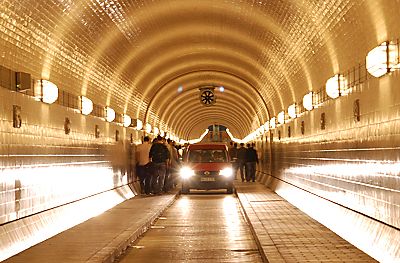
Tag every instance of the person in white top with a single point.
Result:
(143, 165)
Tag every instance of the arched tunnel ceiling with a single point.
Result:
(133, 55)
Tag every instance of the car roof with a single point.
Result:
(206, 146)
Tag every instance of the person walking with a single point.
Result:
(241, 158)
(142, 165)
(159, 155)
(251, 162)
(233, 153)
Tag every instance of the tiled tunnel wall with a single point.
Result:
(353, 163)
(46, 175)
(42, 167)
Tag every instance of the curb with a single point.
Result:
(118, 246)
(253, 231)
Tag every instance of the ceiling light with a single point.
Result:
(266, 126)
(382, 59)
(86, 105)
(272, 122)
(110, 114)
(292, 111)
(46, 91)
(281, 117)
(308, 101)
(148, 128)
(334, 85)
(127, 120)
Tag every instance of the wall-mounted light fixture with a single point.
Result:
(110, 114)
(272, 123)
(148, 128)
(308, 101)
(127, 120)
(162, 133)
(156, 130)
(382, 59)
(86, 105)
(46, 91)
(266, 126)
(281, 117)
(137, 124)
(334, 86)
(292, 111)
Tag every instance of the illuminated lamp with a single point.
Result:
(148, 128)
(86, 105)
(162, 133)
(110, 114)
(266, 126)
(127, 120)
(292, 111)
(308, 101)
(137, 124)
(156, 130)
(382, 59)
(46, 91)
(272, 122)
(334, 85)
(281, 117)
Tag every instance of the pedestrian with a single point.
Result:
(233, 153)
(159, 155)
(251, 162)
(172, 163)
(241, 157)
(143, 165)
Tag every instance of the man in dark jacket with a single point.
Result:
(251, 161)
(159, 155)
(241, 157)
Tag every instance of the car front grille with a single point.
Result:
(207, 173)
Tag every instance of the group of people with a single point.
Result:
(245, 160)
(157, 165)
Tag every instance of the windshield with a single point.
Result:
(207, 156)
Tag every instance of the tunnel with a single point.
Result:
(313, 84)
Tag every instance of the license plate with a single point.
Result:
(207, 179)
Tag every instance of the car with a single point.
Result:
(206, 166)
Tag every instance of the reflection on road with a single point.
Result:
(197, 228)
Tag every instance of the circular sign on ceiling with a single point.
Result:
(207, 96)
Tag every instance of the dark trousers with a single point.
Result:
(242, 168)
(144, 179)
(235, 168)
(160, 170)
(250, 171)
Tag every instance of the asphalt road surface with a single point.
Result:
(199, 227)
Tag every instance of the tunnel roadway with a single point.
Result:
(206, 227)
(199, 227)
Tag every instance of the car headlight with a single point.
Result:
(186, 172)
(227, 172)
